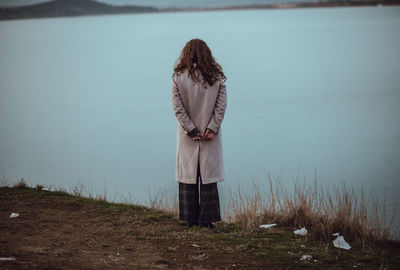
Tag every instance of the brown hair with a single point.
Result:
(196, 55)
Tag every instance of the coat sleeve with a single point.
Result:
(180, 111)
(219, 110)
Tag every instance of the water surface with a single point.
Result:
(87, 100)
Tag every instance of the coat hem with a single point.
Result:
(193, 181)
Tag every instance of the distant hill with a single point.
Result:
(62, 8)
(67, 8)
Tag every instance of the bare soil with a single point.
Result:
(57, 233)
(55, 230)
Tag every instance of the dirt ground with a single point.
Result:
(54, 233)
(55, 230)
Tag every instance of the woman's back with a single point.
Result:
(198, 101)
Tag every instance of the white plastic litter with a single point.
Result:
(14, 215)
(335, 234)
(302, 231)
(266, 226)
(339, 242)
(45, 189)
(7, 259)
(305, 257)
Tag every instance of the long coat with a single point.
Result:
(198, 107)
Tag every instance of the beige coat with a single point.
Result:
(201, 108)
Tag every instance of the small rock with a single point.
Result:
(162, 262)
(7, 259)
(172, 248)
(305, 257)
(199, 257)
(14, 215)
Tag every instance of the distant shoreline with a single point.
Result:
(299, 5)
(61, 9)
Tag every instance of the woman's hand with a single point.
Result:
(198, 137)
(209, 135)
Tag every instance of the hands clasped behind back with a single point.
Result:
(207, 136)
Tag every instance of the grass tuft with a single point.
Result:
(21, 184)
(39, 187)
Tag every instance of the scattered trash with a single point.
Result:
(305, 257)
(303, 246)
(14, 215)
(302, 231)
(335, 234)
(117, 253)
(7, 259)
(46, 189)
(315, 260)
(194, 245)
(266, 226)
(339, 242)
(200, 257)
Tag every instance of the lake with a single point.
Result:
(86, 100)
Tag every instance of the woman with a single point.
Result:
(199, 103)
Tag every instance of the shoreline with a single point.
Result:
(298, 5)
(13, 13)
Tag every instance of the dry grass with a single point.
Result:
(323, 210)
(164, 201)
(21, 184)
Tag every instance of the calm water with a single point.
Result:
(87, 100)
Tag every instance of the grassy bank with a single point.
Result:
(58, 230)
(324, 210)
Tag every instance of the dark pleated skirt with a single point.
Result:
(195, 208)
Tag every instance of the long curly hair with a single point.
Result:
(196, 55)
